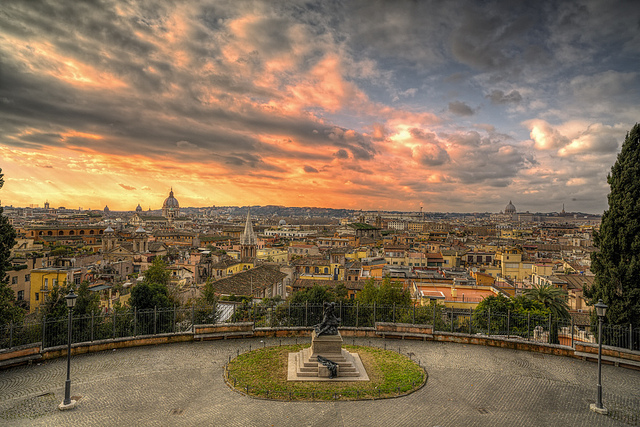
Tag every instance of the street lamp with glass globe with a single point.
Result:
(601, 311)
(68, 403)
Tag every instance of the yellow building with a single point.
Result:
(451, 258)
(542, 269)
(483, 279)
(373, 267)
(516, 233)
(44, 279)
(273, 255)
(356, 255)
(511, 265)
(237, 267)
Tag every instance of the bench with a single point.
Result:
(404, 330)
(224, 335)
(617, 361)
(223, 331)
(20, 360)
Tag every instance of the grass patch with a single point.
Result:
(263, 373)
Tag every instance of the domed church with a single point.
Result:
(510, 209)
(170, 207)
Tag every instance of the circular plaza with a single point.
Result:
(183, 384)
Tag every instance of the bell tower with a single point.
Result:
(248, 240)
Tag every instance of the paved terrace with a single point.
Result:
(182, 384)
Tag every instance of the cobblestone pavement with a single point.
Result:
(182, 384)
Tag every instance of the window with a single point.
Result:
(14, 280)
(20, 295)
(37, 296)
(46, 284)
(27, 277)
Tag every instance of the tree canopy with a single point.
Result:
(153, 291)
(386, 293)
(55, 305)
(9, 312)
(145, 296)
(316, 295)
(157, 273)
(551, 298)
(616, 264)
(517, 305)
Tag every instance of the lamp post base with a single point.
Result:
(603, 410)
(64, 407)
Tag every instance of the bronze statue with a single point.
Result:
(330, 322)
(330, 364)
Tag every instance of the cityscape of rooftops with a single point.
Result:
(375, 106)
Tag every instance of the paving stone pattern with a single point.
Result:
(182, 384)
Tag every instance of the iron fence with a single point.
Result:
(132, 323)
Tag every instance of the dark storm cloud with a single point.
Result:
(499, 97)
(460, 108)
(341, 154)
(399, 30)
(359, 145)
(490, 39)
(310, 169)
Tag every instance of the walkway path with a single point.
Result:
(182, 384)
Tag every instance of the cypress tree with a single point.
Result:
(616, 264)
(9, 312)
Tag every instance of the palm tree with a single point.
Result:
(554, 299)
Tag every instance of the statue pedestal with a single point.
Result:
(304, 366)
(326, 345)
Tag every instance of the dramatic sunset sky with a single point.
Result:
(455, 106)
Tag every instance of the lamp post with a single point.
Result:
(601, 311)
(68, 403)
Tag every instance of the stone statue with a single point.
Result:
(331, 365)
(330, 322)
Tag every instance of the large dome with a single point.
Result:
(510, 209)
(170, 202)
(171, 207)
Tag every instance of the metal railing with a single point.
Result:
(52, 332)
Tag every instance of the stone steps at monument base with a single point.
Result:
(344, 360)
(303, 364)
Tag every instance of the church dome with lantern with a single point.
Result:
(170, 207)
(510, 209)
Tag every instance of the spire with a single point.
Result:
(248, 237)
